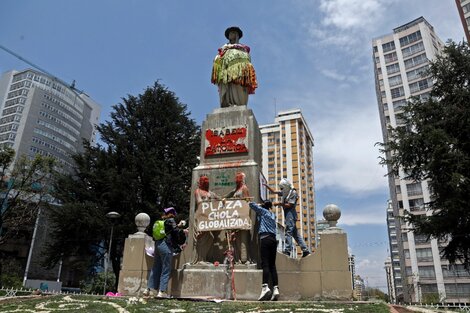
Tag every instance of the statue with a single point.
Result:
(242, 237)
(203, 241)
(233, 72)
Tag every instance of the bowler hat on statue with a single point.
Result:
(235, 29)
(170, 210)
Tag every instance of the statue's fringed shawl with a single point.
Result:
(233, 65)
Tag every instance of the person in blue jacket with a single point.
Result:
(268, 249)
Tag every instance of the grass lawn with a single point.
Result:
(87, 304)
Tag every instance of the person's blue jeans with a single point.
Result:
(291, 232)
(161, 270)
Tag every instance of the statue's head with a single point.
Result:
(231, 33)
(240, 179)
(204, 182)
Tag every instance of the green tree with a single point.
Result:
(150, 147)
(23, 191)
(434, 144)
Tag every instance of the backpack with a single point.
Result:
(158, 230)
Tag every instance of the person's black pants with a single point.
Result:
(268, 247)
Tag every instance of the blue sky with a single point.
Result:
(314, 55)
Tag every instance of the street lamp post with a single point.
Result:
(112, 215)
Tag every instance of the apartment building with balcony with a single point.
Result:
(287, 146)
(400, 63)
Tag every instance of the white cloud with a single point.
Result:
(362, 216)
(371, 269)
(347, 23)
(344, 151)
(351, 14)
(335, 75)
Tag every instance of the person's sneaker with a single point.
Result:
(162, 294)
(148, 292)
(275, 295)
(265, 293)
(305, 253)
(286, 252)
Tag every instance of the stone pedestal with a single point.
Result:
(222, 167)
(322, 275)
(136, 265)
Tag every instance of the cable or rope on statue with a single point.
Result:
(230, 257)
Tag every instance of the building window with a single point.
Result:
(416, 204)
(424, 255)
(410, 38)
(416, 73)
(412, 49)
(429, 288)
(389, 46)
(398, 104)
(414, 189)
(466, 8)
(398, 189)
(397, 92)
(393, 68)
(414, 61)
(421, 239)
(391, 57)
(420, 85)
(395, 80)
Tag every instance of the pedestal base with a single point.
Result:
(209, 281)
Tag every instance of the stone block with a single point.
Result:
(132, 283)
(336, 285)
(199, 282)
(247, 283)
(134, 256)
(334, 252)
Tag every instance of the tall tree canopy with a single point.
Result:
(434, 143)
(23, 190)
(145, 164)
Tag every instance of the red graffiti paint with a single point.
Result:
(225, 141)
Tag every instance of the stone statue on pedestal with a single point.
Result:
(242, 236)
(203, 241)
(233, 72)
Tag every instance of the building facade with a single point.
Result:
(359, 288)
(390, 280)
(40, 114)
(392, 265)
(463, 6)
(352, 267)
(400, 61)
(288, 153)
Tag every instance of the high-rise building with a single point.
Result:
(393, 269)
(463, 6)
(288, 153)
(39, 114)
(359, 288)
(401, 60)
(352, 268)
(390, 280)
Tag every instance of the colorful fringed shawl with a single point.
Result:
(233, 65)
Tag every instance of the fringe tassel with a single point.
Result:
(240, 72)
